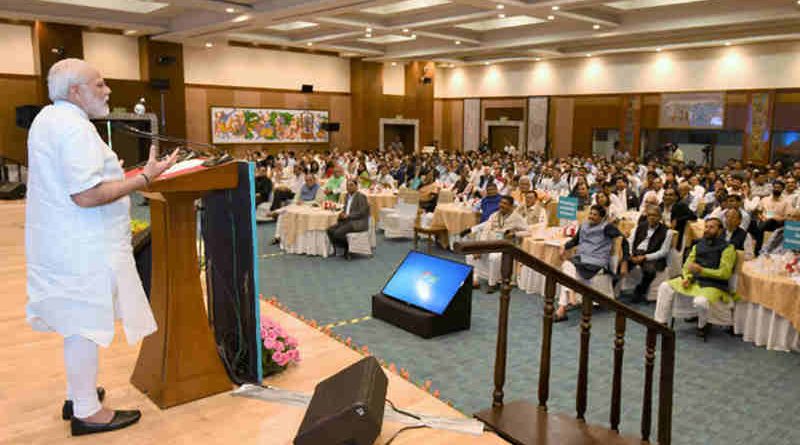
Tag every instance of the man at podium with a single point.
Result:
(80, 268)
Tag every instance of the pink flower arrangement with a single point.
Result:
(278, 348)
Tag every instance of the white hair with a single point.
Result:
(64, 74)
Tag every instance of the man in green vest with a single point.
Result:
(335, 186)
(705, 278)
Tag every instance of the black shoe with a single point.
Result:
(120, 420)
(493, 289)
(275, 241)
(66, 410)
(347, 256)
(557, 319)
(691, 319)
(704, 332)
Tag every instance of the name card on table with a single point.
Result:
(791, 235)
(568, 208)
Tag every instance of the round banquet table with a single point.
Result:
(546, 245)
(408, 195)
(301, 229)
(454, 217)
(378, 201)
(769, 312)
(446, 196)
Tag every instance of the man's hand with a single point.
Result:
(695, 268)
(154, 168)
(342, 215)
(686, 282)
(563, 254)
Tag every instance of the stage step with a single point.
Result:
(523, 423)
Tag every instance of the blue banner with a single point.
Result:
(791, 235)
(568, 208)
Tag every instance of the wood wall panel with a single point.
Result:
(174, 98)
(510, 103)
(561, 118)
(456, 131)
(419, 98)
(50, 36)
(787, 111)
(438, 116)
(200, 99)
(590, 113)
(17, 90)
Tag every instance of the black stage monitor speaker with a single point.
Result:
(12, 190)
(426, 80)
(346, 408)
(26, 114)
(307, 88)
(159, 84)
(331, 127)
(427, 296)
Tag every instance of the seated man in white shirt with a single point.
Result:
(731, 202)
(503, 224)
(650, 243)
(736, 235)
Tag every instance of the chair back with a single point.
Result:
(737, 269)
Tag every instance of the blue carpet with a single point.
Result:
(726, 391)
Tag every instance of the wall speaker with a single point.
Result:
(12, 190)
(166, 60)
(26, 114)
(159, 83)
(426, 80)
(346, 408)
(307, 88)
(330, 127)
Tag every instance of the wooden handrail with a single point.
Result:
(509, 254)
(545, 269)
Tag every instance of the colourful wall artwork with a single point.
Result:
(692, 110)
(758, 128)
(231, 125)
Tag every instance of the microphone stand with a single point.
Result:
(218, 156)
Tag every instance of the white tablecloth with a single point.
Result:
(312, 242)
(764, 327)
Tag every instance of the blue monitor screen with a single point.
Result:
(426, 281)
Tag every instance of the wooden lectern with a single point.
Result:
(179, 363)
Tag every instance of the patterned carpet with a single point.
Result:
(726, 391)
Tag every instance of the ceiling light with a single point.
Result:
(551, 17)
(555, 8)
(413, 36)
(503, 6)
(209, 44)
(241, 18)
(368, 35)
(502, 16)
(405, 30)
(658, 50)
(485, 63)
(588, 55)
(230, 10)
(452, 65)
(538, 59)
(130, 32)
(458, 42)
(727, 43)
(135, 6)
(310, 44)
(394, 63)
(369, 30)
(596, 26)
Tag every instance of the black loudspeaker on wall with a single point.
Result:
(307, 88)
(26, 114)
(12, 190)
(347, 408)
(330, 127)
(159, 84)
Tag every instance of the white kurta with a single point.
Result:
(80, 266)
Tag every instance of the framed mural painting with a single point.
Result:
(245, 125)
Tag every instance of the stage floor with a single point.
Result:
(32, 381)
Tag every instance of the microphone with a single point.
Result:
(125, 128)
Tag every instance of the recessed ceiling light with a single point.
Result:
(241, 18)
(310, 44)
(458, 42)
(501, 6)
(485, 63)
(369, 30)
(727, 43)
(394, 63)
(413, 36)
(551, 17)
(555, 8)
(538, 59)
(405, 30)
(588, 55)
(130, 32)
(658, 50)
(502, 16)
(209, 44)
(368, 35)
(596, 26)
(452, 65)
(230, 10)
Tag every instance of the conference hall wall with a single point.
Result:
(622, 93)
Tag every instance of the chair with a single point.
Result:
(362, 242)
(422, 226)
(400, 223)
(632, 279)
(603, 281)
